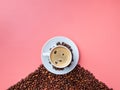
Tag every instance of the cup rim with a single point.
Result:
(64, 65)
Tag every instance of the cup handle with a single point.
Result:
(46, 54)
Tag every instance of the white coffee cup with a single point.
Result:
(59, 56)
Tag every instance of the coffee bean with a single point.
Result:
(58, 43)
(49, 62)
(50, 49)
(63, 43)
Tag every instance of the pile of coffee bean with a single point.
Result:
(77, 79)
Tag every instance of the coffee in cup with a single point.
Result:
(60, 56)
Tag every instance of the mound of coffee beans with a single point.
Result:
(77, 79)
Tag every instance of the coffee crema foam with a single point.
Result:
(60, 56)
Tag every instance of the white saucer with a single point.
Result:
(50, 44)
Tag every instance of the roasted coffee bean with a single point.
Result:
(58, 43)
(49, 62)
(77, 79)
(63, 43)
(50, 49)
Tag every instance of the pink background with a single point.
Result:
(25, 25)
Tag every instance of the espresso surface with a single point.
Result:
(60, 56)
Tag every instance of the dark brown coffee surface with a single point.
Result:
(77, 79)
